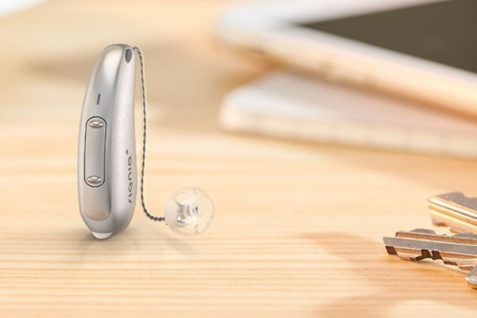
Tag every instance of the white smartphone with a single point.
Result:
(293, 106)
(418, 48)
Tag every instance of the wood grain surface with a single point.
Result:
(298, 227)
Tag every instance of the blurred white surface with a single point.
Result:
(294, 106)
(10, 6)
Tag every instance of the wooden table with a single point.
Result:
(298, 228)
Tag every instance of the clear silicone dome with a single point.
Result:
(189, 211)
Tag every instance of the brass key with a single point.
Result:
(458, 250)
(454, 210)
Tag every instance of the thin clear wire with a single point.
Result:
(144, 106)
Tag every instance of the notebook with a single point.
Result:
(294, 106)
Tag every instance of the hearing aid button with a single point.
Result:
(128, 55)
(94, 151)
(95, 123)
(94, 179)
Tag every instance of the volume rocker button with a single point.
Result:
(95, 123)
(94, 180)
(94, 151)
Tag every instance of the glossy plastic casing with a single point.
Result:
(107, 179)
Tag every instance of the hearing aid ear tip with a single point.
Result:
(189, 211)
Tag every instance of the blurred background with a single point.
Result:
(182, 57)
(314, 134)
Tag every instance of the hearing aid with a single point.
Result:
(107, 172)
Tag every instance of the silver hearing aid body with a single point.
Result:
(107, 178)
(106, 154)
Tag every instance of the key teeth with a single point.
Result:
(450, 256)
(424, 254)
(391, 250)
(436, 255)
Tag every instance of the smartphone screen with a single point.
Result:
(442, 32)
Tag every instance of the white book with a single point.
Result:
(294, 106)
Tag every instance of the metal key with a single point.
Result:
(458, 250)
(454, 210)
